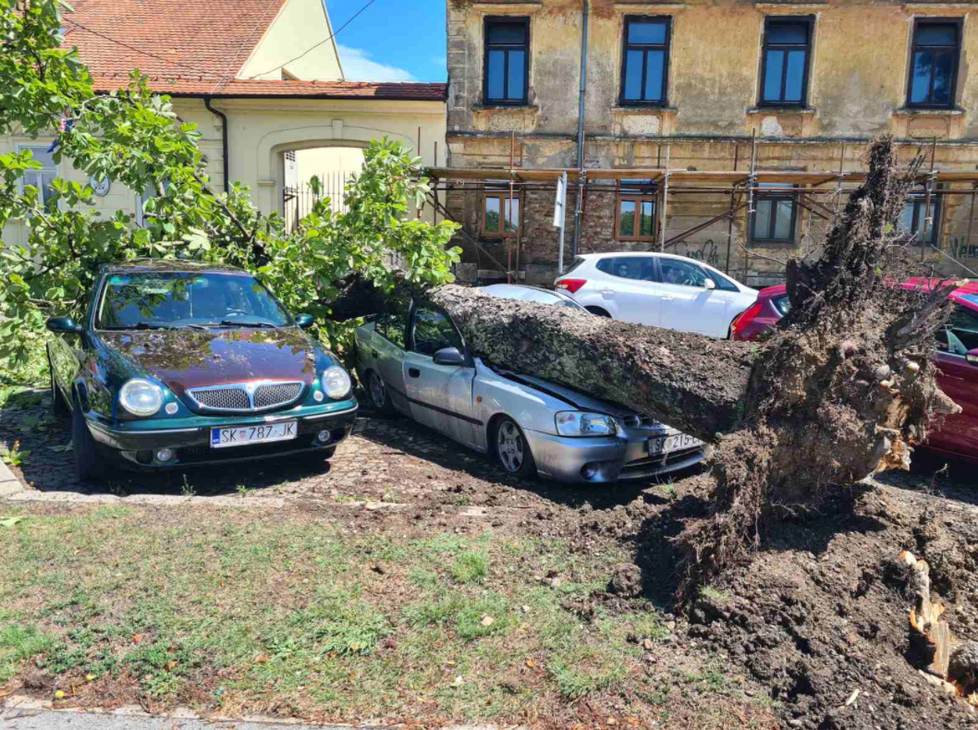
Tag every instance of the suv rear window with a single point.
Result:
(576, 265)
(782, 304)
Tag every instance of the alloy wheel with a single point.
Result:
(378, 391)
(510, 447)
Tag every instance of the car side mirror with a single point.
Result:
(304, 321)
(64, 326)
(449, 356)
(709, 284)
(972, 356)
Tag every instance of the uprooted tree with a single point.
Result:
(843, 389)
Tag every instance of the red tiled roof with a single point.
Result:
(208, 40)
(188, 85)
(197, 49)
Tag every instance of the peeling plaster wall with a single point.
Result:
(856, 89)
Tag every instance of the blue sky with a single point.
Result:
(392, 40)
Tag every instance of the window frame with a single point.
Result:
(503, 196)
(413, 326)
(623, 193)
(487, 21)
(918, 201)
(809, 22)
(774, 197)
(958, 23)
(666, 47)
(22, 182)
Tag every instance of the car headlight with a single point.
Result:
(578, 423)
(336, 382)
(141, 397)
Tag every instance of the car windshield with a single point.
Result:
(165, 300)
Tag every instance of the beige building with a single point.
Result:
(261, 78)
(777, 98)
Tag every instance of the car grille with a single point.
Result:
(245, 397)
(637, 421)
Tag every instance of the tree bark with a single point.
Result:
(689, 381)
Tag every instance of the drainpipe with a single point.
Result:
(224, 140)
(580, 135)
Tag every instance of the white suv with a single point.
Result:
(657, 289)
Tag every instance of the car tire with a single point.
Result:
(598, 312)
(511, 449)
(88, 465)
(380, 399)
(328, 453)
(58, 403)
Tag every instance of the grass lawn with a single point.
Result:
(290, 613)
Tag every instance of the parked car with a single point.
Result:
(957, 360)
(658, 289)
(415, 361)
(177, 364)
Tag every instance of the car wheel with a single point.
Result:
(87, 463)
(511, 448)
(58, 403)
(598, 311)
(379, 397)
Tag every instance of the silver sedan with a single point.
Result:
(415, 362)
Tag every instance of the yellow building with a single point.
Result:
(261, 78)
(686, 87)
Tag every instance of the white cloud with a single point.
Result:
(357, 66)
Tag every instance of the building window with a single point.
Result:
(645, 60)
(42, 178)
(506, 60)
(773, 220)
(934, 63)
(500, 215)
(784, 69)
(914, 219)
(635, 220)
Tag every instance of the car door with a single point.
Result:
(689, 304)
(440, 395)
(959, 380)
(630, 281)
(387, 349)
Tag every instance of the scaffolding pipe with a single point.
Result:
(580, 134)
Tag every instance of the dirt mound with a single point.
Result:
(820, 617)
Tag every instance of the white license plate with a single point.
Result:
(665, 444)
(221, 438)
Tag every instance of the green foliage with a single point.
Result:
(471, 567)
(135, 138)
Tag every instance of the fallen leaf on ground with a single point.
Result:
(10, 521)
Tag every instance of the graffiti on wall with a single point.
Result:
(707, 252)
(961, 249)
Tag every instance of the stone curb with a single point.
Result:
(25, 704)
(9, 484)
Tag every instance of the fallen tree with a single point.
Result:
(843, 389)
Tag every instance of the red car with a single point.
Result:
(957, 359)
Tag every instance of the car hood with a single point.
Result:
(183, 359)
(574, 398)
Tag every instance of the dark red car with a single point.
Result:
(957, 359)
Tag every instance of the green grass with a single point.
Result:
(240, 612)
(471, 567)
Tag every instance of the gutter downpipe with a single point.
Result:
(224, 140)
(580, 136)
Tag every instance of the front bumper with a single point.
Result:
(608, 458)
(137, 441)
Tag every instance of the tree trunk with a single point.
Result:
(842, 389)
(691, 382)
